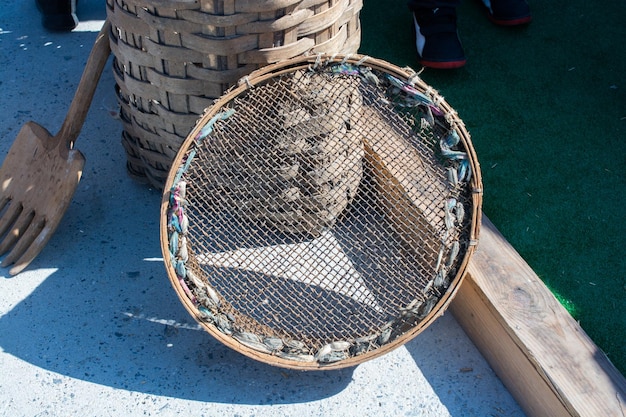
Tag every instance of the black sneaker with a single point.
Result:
(437, 39)
(58, 15)
(508, 12)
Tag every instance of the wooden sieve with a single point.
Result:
(322, 212)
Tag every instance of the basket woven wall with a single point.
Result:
(173, 58)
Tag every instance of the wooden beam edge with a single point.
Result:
(542, 355)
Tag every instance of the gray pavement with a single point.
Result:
(93, 327)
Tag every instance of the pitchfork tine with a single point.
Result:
(16, 231)
(33, 230)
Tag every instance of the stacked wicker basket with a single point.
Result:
(174, 57)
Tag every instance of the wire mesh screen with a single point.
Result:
(322, 212)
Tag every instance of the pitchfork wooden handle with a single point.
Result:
(79, 107)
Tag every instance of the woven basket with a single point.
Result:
(323, 274)
(305, 166)
(173, 58)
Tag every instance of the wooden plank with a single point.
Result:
(543, 356)
(398, 165)
(411, 191)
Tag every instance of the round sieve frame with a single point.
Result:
(459, 170)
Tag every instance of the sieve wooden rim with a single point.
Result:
(292, 65)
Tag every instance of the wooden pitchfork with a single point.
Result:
(41, 172)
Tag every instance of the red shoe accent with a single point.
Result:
(443, 65)
(513, 22)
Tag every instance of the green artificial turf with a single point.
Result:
(546, 108)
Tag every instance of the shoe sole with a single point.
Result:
(442, 64)
(510, 22)
(59, 22)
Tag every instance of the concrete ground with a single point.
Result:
(93, 327)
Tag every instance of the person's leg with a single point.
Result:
(436, 36)
(58, 15)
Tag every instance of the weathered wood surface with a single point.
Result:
(538, 350)
(414, 196)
